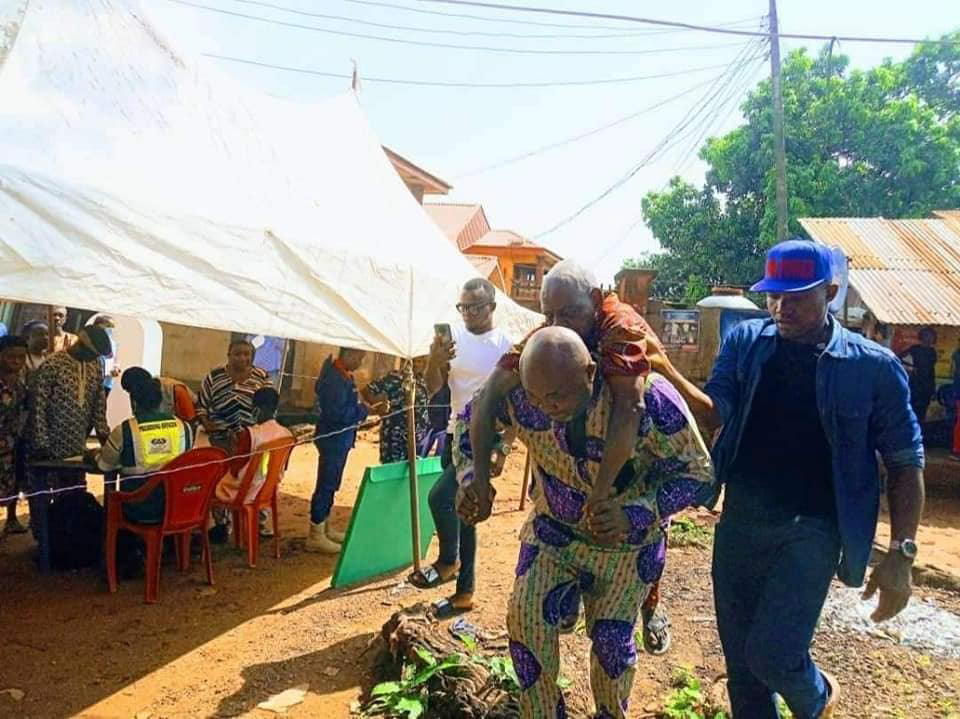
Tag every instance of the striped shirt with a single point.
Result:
(229, 405)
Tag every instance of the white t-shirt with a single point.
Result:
(477, 355)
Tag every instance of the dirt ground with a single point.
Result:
(76, 650)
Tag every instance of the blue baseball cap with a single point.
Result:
(795, 266)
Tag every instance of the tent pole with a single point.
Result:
(526, 482)
(410, 385)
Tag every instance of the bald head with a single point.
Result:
(556, 371)
(570, 297)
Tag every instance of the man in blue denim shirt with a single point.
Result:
(805, 407)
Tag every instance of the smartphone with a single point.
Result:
(443, 332)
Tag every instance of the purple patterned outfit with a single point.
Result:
(558, 557)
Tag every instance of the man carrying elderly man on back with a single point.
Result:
(607, 549)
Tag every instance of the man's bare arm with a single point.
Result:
(905, 494)
(699, 401)
(438, 365)
(622, 428)
(893, 576)
(483, 419)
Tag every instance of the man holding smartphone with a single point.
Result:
(462, 356)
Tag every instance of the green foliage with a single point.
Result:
(881, 142)
(503, 673)
(501, 669)
(408, 698)
(687, 700)
(682, 677)
(685, 532)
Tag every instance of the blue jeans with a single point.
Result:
(456, 538)
(770, 580)
(330, 468)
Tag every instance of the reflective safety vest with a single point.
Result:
(157, 442)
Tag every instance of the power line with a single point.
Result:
(589, 133)
(446, 46)
(513, 21)
(454, 84)
(634, 34)
(725, 106)
(686, 25)
(748, 80)
(687, 155)
(737, 66)
(583, 135)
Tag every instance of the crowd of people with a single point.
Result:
(52, 400)
(799, 407)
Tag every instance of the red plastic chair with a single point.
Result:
(188, 482)
(246, 527)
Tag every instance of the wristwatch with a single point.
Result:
(906, 547)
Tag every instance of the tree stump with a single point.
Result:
(471, 692)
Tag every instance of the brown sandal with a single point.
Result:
(451, 607)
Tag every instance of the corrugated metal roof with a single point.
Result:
(463, 224)
(951, 216)
(906, 271)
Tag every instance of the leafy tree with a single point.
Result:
(881, 142)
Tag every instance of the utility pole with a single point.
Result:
(779, 144)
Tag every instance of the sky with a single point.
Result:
(454, 132)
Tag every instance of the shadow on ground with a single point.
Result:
(104, 642)
(344, 660)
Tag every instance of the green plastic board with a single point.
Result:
(379, 536)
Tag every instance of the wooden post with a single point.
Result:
(526, 482)
(410, 385)
(283, 365)
(50, 329)
(779, 143)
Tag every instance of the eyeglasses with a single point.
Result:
(474, 309)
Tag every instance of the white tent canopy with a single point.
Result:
(133, 182)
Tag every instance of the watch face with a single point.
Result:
(908, 548)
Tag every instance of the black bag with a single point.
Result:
(75, 522)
